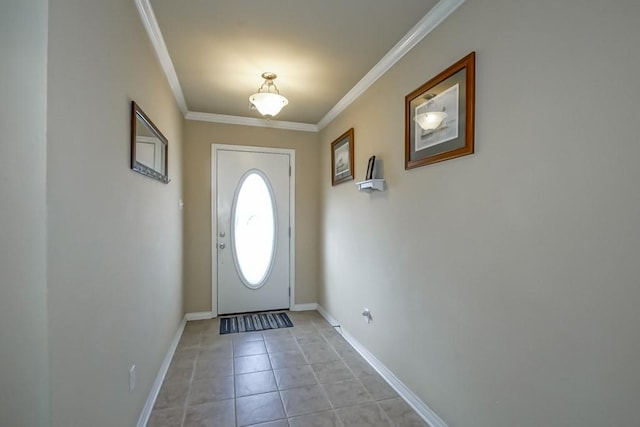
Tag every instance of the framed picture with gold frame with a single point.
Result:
(439, 116)
(342, 158)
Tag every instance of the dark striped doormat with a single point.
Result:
(254, 322)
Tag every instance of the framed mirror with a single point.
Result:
(149, 147)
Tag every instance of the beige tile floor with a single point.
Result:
(303, 376)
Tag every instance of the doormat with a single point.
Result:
(254, 322)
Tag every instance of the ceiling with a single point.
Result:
(214, 51)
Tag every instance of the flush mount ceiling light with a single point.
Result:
(268, 100)
(430, 120)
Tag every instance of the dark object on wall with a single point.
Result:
(439, 116)
(370, 166)
(342, 158)
(149, 148)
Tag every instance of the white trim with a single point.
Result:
(155, 35)
(250, 121)
(292, 218)
(292, 224)
(328, 317)
(428, 23)
(153, 394)
(201, 315)
(304, 307)
(214, 232)
(427, 414)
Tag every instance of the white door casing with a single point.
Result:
(233, 166)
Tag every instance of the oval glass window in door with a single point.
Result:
(254, 229)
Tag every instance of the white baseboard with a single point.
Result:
(305, 307)
(206, 315)
(414, 401)
(153, 394)
(324, 313)
(201, 315)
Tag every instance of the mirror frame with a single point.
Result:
(137, 113)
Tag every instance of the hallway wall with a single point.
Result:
(24, 373)
(198, 139)
(503, 285)
(115, 236)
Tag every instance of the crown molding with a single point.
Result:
(428, 23)
(155, 35)
(250, 121)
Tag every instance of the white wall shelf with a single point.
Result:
(370, 185)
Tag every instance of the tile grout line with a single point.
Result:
(278, 386)
(359, 380)
(372, 399)
(326, 395)
(322, 386)
(233, 376)
(308, 327)
(274, 379)
(191, 378)
(257, 394)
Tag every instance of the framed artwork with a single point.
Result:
(149, 147)
(370, 166)
(342, 158)
(439, 116)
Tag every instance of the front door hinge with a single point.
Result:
(289, 170)
(289, 231)
(289, 292)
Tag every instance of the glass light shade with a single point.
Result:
(430, 120)
(268, 104)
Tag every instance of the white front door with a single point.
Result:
(252, 231)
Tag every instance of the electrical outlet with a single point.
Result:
(132, 378)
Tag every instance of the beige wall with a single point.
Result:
(115, 237)
(24, 378)
(198, 139)
(503, 285)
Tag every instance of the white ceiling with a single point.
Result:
(214, 51)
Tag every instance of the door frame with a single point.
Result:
(214, 216)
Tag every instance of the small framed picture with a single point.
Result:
(439, 116)
(342, 158)
(370, 166)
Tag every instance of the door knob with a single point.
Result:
(222, 245)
